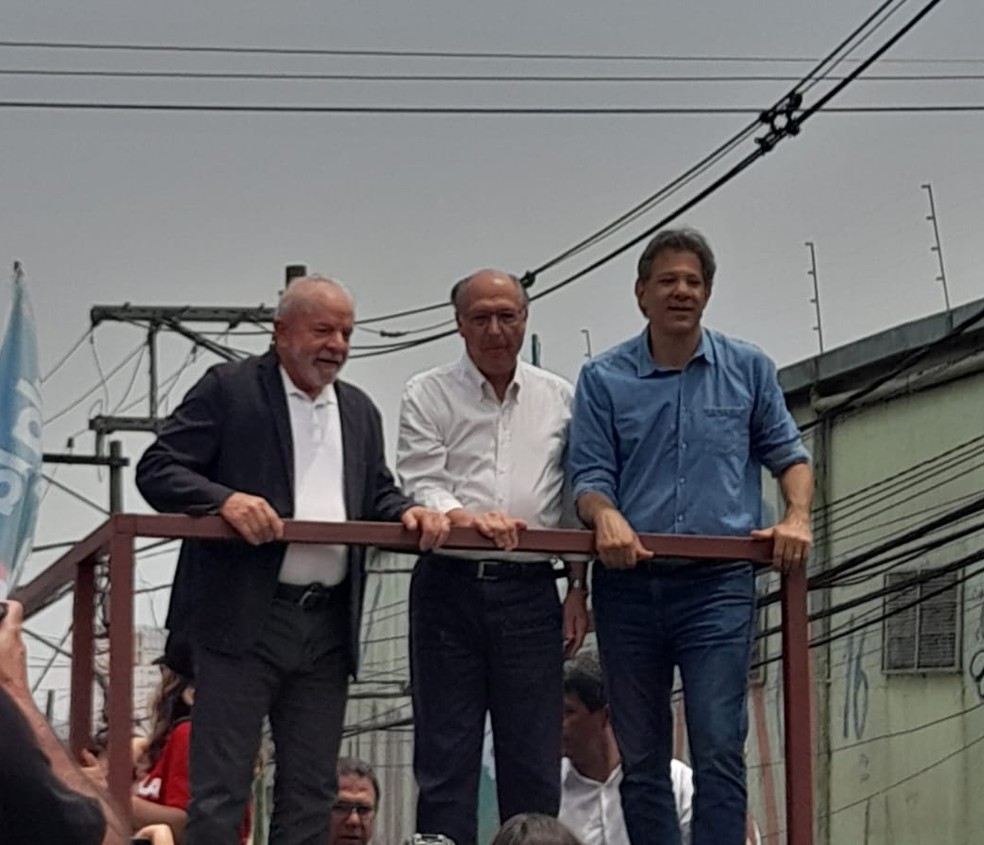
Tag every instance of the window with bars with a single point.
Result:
(921, 630)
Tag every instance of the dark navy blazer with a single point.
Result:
(232, 434)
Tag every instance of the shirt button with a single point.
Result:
(683, 445)
(682, 480)
(680, 518)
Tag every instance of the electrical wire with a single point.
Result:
(878, 18)
(448, 54)
(465, 111)
(133, 379)
(510, 79)
(64, 359)
(74, 494)
(906, 363)
(794, 118)
(104, 378)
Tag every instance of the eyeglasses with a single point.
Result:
(506, 319)
(343, 809)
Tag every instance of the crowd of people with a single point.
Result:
(665, 433)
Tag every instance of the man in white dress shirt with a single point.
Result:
(590, 803)
(272, 627)
(483, 440)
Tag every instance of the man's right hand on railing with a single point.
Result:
(253, 518)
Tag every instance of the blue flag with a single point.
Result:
(20, 437)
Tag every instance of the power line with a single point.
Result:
(449, 54)
(927, 768)
(72, 350)
(784, 119)
(906, 363)
(75, 403)
(490, 111)
(74, 494)
(470, 78)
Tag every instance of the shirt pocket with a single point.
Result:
(724, 430)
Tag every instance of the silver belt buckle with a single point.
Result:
(312, 596)
(482, 573)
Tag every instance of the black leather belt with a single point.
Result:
(492, 569)
(306, 596)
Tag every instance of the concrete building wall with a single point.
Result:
(905, 748)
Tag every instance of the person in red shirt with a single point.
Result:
(161, 793)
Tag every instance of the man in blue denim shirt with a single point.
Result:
(669, 433)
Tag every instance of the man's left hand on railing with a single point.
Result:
(792, 540)
(434, 527)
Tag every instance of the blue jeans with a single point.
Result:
(699, 619)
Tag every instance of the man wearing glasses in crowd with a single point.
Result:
(354, 812)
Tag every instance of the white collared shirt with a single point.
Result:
(593, 810)
(460, 447)
(319, 493)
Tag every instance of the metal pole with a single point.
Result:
(937, 248)
(535, 343)
(823, 667)
(116, 477)
(798, 707)
(294, 271)
(83, 612)
(120, 695)
(152, 369)
(818, 328)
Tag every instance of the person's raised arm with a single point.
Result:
(57, 810)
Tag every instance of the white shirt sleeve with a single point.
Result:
(421, 455)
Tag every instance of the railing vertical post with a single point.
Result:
(120, 704)
(83, 609)
(798, 707)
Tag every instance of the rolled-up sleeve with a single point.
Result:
(592, 459)
(421, 455)
(776, 439)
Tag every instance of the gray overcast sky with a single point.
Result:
(151, 208)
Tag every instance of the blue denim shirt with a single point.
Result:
(681, 451)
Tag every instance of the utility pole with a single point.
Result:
(821, 603)
(818, 328)
(116, 476)
(937, 247)
(587, 342)
(174, 319)
(294, 271)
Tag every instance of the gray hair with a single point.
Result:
(458, 291)
(293, 294)
(678, 240)
(534, 829)
(355, 768)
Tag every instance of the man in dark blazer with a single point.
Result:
(273, 627)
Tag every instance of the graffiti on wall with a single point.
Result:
(855, 686)
(975, 666)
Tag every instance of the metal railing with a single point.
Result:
(115, 538)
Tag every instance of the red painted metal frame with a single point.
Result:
(116, 537)
(798, 709)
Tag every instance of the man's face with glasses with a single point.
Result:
(354, 811)
(492, 320)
